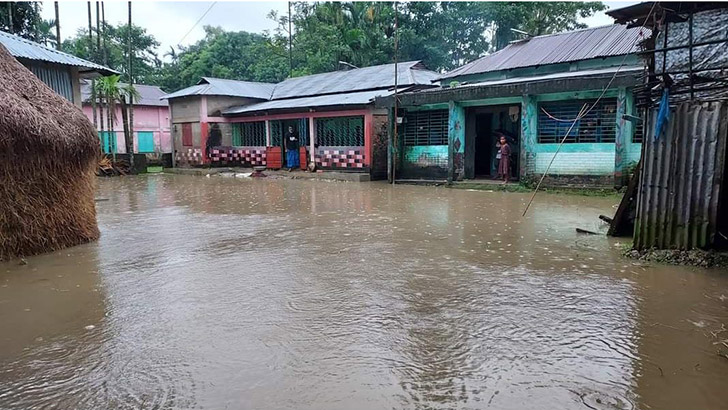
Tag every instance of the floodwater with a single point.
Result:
(226, 293)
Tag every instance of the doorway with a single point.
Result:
(484, 126)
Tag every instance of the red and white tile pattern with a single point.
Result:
(244, 156)
(340, 158)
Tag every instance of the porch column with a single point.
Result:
(622, 136)
(267, 133)
(203, 128)
(529, 134)
(368, 125)
(390, 146)
(311, 140)
(456, 142)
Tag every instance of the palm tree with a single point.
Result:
(110, 90)
(45, 33)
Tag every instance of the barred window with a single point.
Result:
(340, 132)
(639, 127)
(249, 134)
(599, 125)
(425, 128)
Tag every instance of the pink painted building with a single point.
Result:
(151, 122)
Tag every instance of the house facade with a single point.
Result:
(334, 113)
(530, 91)
(151, 122)
(60, 71)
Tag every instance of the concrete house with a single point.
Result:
(194, 109)
(334, 113)
(528, 91)
(151, 121)
(60, 71)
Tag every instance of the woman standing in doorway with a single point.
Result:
(504, 167)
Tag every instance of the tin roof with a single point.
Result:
(341, 99)
(29, 50)
(149, 95)
(570, 46)
(368, 78)
(228, 88)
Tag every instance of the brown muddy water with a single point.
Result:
(224, 293)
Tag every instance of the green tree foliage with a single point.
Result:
(224, 54)
(146, 64)
(444, 35)
(537, 18)
(20, 18)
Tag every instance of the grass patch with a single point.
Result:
(523, 188)
(155, 169)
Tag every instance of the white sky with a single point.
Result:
(169, 21)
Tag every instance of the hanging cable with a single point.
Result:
(584, 111)
(198, 22)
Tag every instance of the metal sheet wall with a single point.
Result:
(59, 79)
(682, 171)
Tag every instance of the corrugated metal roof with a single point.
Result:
(341, 99)
(359, 79)
(607, 41)
(149, 95)
(22, 48)
(229, 88)
(537, 78)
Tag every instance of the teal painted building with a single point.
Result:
(530, 91)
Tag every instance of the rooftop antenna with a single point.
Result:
(348, 66)
(521, 32)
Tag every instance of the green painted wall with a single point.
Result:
(456, 138)
(424, 161)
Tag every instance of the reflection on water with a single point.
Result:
(228, 293)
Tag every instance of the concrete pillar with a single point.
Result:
(267, 133)
(312, 140)
(623, 136)
(390, 144)
(529, 134)
(456, 142)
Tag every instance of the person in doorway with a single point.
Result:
(292, 155)
(504, 167)
(495, 170)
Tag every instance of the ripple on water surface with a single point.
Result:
(222, 293)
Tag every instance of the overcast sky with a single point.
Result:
(171, 21)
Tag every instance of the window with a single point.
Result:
(249, 134)
(425, 128)
(187, 134)
(639, 126)
(599, 125)
(340, 132)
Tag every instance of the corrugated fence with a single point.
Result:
(680, 186)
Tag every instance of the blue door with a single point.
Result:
(145, 141)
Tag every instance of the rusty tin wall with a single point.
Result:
(680, 186)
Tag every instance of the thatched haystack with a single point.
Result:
(48, 154)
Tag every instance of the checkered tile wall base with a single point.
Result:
(189, 156)
(340, 158)
(242, 156)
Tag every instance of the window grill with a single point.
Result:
(340, 132)
(639, 127)
(425, 128)
(249, 134)
(599, 125)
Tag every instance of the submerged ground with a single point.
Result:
(274, 293)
